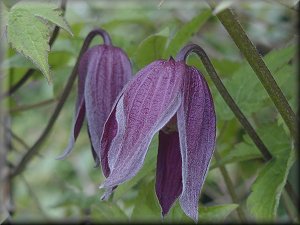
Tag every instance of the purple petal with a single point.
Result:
(147, 104)
(95, 155)
(168, 172)
(110, 128)
(80, 105)
(197, 129)
(109, 69)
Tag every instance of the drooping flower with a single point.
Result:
(102, 73)
(171, 98)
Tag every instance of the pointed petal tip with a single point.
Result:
(104, 197)
(106, 194)
(97, 164)
(164, 211)
(61, 157)
(67, 150)
(189, 211)
(64, 155)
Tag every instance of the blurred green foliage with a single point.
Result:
(51, 190)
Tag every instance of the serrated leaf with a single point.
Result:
(186, 32)
(150, 49)
(246, 88)
(29, 31)
(267, 188)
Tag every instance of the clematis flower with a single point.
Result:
(171, 98)
(103, 71)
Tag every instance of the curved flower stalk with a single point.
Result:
(171, 98)
(102, 73)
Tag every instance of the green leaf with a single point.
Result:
(176, 215)
(216, 213)
(226, 67)
(146, 205)
(208, 214)
(150, 49)
(148, 167)
(29, 31)
(246, 88)
(105, 211)
(267, 188)
(186, 32)
(241, 152)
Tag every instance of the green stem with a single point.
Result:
(36, 146)
(230, 188)
(238, 35)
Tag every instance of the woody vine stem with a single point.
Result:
(240, 38)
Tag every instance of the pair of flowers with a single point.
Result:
(124, 112)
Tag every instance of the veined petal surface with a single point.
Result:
(197, 127)
(108, 71)
(80, 103)
(146, 105)
(168, 184)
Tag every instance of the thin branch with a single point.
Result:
(289, 210)
(34, 197)
(230, 188)
(16, 137)
(31, 71)
(32, 106)
(238, 35)
(293, 196)
(16, 86)
(227, 179)
(182, 55)
(36, 146)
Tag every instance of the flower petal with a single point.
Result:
(197, 129)
(80, 105)
(110, 128)
(109, 69)
(168, 172)
(147, 104)
(95, 155)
